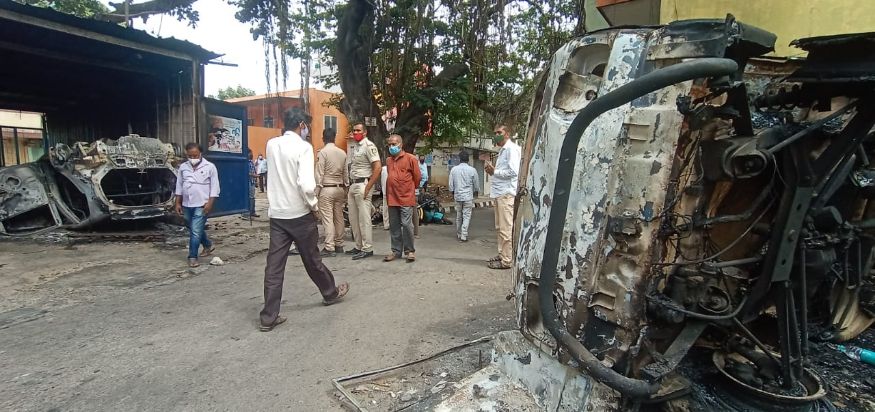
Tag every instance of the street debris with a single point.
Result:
(856, 353)
(217, 261)
(82, 185)
(418, 385)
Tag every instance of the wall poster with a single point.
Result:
(226, 134)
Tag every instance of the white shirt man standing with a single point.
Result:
(465, 186)
(261, 170)
(293, 212)
(505, 178)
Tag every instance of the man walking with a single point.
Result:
(261, 169)
(363, 161)
(465, 185)
(197, 187)
(331, 190)
(505, 177)
(401, 182)
(291, 192)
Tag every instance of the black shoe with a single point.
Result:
(327, 253)
(353, 251)
(363, 255)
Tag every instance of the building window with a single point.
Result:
(268, 121)
(19, 145)
(331, 122)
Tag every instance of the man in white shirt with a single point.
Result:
(505, 178)
(261, 169)
(465, 185)
(293, 212)
(197, 188)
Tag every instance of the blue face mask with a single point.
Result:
(394, 150)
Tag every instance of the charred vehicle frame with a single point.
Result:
(712, 206)
(79, 186)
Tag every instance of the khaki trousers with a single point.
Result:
(331, 201)
(504, 227)
(360, 217)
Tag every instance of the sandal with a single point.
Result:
(498, 265)
(208, 251)
(411, 257)
(496, 258)
(391, 257)
(193, 263)
(267, 328)
(342, 290)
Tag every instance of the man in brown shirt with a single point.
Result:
(331, 177)
(402, 179)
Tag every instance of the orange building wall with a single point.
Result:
(258, 137)
(318, 110)
(259, 106)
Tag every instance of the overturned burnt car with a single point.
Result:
(673, 199)
(86, 184)
(677, 192)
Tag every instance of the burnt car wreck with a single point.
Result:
(86, 184)
(677, 194)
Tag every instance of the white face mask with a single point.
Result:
(194, 162)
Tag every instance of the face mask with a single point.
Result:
(358, 136)
(194, 162)
(497, 139)
(305, 133)
(394, 150)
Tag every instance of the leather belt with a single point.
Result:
(337, 185)
(360, 180)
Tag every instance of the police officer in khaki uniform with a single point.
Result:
(331, 178)
(363, 161)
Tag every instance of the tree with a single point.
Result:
(121, 12)
(233, 93)
(447, 69)
(79, 8)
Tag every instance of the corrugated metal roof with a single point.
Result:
(103, 28)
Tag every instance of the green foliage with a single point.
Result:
(504, 43)
(80, 8)
(233, 93)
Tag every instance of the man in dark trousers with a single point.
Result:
(293, 212)
(401, 182)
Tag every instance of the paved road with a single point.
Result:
(192, 344)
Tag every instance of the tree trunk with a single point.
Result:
(355, 46)
(413, 119)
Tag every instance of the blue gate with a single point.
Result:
(226, 146)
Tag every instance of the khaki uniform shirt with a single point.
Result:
(331, 166)
(360, 157)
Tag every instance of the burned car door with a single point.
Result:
(25, 203)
